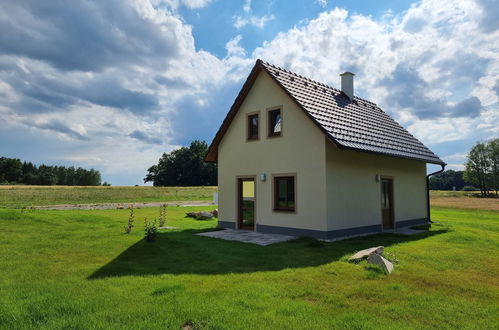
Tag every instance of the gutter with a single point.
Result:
(428, 191)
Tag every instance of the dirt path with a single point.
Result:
(107, 206)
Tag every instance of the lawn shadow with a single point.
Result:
(183, 252)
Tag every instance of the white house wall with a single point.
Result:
(354, 195)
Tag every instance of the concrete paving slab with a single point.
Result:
(405, 231)
(248, 236)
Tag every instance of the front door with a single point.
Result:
(387, 202)
(246, 192)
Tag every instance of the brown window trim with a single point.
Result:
(248, 116)
(274, 193)
(270, 134)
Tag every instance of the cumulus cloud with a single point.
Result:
(233, 47)
(89, 82)
(429, 67)
(89, 73)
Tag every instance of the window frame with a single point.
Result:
(275, 178)
(248, 116)
(271, 134)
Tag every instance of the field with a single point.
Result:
(463, 200)
(22, 196)
(76, 269)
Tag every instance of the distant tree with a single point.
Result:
(46, 175)
(447, 180)
(11, 170)
(493, 154)
(184, 167)
(479, 168)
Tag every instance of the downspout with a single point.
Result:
(428, 190)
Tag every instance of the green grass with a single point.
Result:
(21, 196)
(75, 269)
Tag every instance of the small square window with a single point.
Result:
(284, 193)
(275, 122)
(253, 127)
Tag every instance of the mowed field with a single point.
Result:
(463, 200)
(16, 196)
(76, 269)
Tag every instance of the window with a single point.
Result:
(284, 193)
(275, 122)
(253, 127)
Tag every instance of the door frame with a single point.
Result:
(239, 180)
(392, 202)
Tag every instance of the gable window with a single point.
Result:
(284, 193)
(275, 122)
(253, 127)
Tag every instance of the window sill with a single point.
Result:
(284, 210)
(274, 136)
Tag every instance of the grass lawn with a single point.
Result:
(75, 269)
(20, 196)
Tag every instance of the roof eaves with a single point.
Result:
(212, 154)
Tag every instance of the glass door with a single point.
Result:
(246, 192)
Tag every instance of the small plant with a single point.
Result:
(150, 230)
(162, 215)
(131, 219)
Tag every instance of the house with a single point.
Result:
(301, 158)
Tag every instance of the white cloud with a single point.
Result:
(259, 22)
(430, 67)
(322, 3)
(96, 95)
(247, 6)
(233, 47)
(196, 3)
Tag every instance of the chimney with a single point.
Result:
(347, 84)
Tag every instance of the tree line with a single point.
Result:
(184, 167)
(449, 180)
(13, 171)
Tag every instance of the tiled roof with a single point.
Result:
(355, 124)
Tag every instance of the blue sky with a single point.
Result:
(113, 84)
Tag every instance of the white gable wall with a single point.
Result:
(300, 150)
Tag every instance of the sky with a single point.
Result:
(113, 84)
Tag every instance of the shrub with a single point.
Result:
(162, 215)
(131, 219)
(469, 188)
(150, 230)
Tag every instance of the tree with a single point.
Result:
(493, 155)
(477, 168)
(184, 167)
(11, 170)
